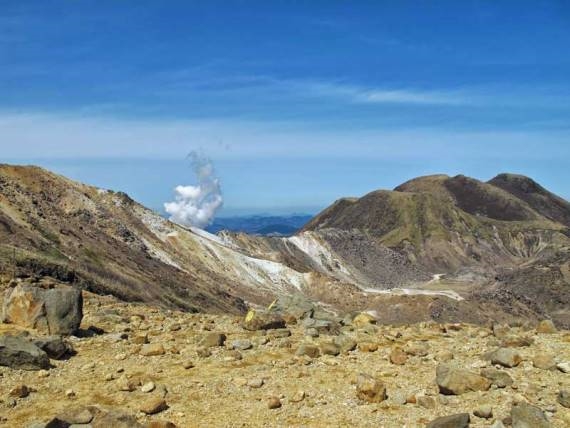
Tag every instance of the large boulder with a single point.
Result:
(456, 381)
(258, 320)
(50, 311)
(19, 353)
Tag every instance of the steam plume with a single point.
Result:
(197, 205)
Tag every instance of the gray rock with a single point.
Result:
(51, 311)
(460, 420)
(242, 344)
(506, 357)
(18, 353)
(54, 346)
(345, 342)
(524, 415)
(499, 378)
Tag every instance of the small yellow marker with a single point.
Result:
(250, 315)
(271, 305)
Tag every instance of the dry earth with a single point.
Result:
(232, 388)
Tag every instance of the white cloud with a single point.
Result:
(29, 136)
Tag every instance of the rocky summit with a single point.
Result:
(442, 303)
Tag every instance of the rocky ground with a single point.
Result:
(208, 370)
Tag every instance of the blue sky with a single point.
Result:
(296, 102)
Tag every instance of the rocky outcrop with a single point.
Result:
(50, 311)
(18, 353)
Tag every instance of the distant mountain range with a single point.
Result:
(435, 248)
(265, 225)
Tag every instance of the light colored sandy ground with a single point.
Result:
(214, 393)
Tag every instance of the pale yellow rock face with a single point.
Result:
(24, 310)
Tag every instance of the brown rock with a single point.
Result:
(211, 340)
(367, 347)
(370, 389)
(426, 401)
(455, 381)
(544, 361)
(398, 357)
(152, 349)
(564, 398)
(257, 320)
(273, 403)
(153, 405)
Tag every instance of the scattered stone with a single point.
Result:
(564, 367)
(279, 333)
(362, 320)
(274, 402)
(148, 387)
(311, 332)
(544, 361)
(367, 347)
(308, 349)
(256, 320)
(242, 344)
(444, 356)
(188, 364)
(152, 349)
(398, 356)
(329, 348)
(297, 397)
(455, 381)
(506, 357)
(370, 389)
(51, 311)
(546, 326)
(70, 393)
(418, 349)
(426, 401)
(564, 398)
(516, 341)
(140, 339)
(55, 347)
(485, 412)
(345, 342)
(153, 405)
(126, 384)
(499, 378)
(74, 416)
(18, 353)
(460, 420)
(115, 419)
(524, 415)
(211, 340)
(255, 383)
(203, 352)
(20, 391)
